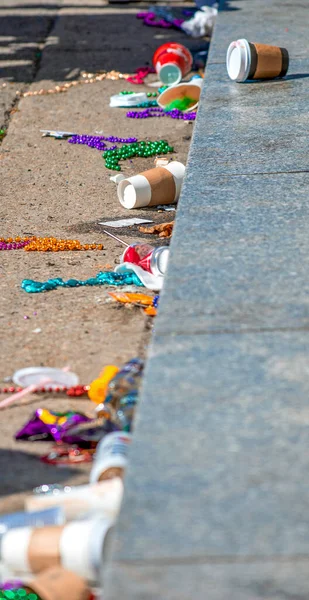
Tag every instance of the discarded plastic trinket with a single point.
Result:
(35, 375)
(172, 61)
(90, 433)
(102, 278)
(65, 454)
(136, 299)
(127, 100)
(49, 425)
(153, 260)
(161, 185)
(149, 113)
(142, 149)
(245, 61)
(163, 229)
(98, 387)
(59, 135)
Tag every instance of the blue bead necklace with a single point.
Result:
(102, 278)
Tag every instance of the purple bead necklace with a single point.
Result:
(13, 245)
(160, 112)
(98, 141)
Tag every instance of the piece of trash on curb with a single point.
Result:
(162, 207)
(103, 496)
(125, 101)
(172, 61)
(161, 185)
(125, 222)
(184, 96)
(149, 259)
(117, 178)
(136, 299)
(163, 229)
(161, 161)
(59, 135)
(37, 330)
(245, 61)
(202, 22)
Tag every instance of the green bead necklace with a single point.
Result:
(18, 594)
(128, 151)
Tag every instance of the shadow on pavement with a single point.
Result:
(28, 472)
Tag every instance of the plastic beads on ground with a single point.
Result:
(102, 278)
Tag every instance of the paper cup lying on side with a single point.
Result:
(161, 185)
(191, 89)
(245, 60)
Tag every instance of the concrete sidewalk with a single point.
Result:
(50, 187)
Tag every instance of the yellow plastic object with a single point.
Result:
(132, 298)
(98, 387)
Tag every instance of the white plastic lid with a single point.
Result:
(170, 74)
(127, 100)
(134, 192)
(238, 60)
(81, 546)
(36, 375)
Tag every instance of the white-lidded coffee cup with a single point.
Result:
(246, 60)
(77, 547)
(161, 185)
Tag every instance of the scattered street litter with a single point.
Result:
(98, 387)
(172, 62)
(164, 229)
(86, 78)
(148, 258)
(152, 18)
(140, 75)
(54, 583)
(117, 178)
(98, 141)
(161, 162)
(202, 23)
(147, 302)
(163, 208)
(125, 222)
(112, 157)
(33, 378)
(126, 100)
(184, 96)
(103, 278)
(111, 457)
(52, 244)
(47, 244)
(40, 548)
(13, 243)
(59, 135)
(161, 185)
(103, 497)
(56, 378)
(245, 61)
(150, 281)
(47, 425)
(160, 112)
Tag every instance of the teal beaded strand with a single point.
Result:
(102, 278)
(128, 151)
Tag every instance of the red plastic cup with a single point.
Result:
(172, 62)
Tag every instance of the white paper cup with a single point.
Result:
(245, 60)
(191, 89)
(161, 185)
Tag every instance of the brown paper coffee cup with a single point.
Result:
(161, 185)
(60, 584)
(43, 549)
(246, 60)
